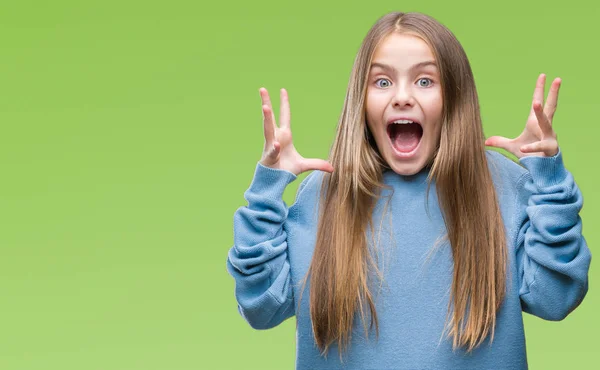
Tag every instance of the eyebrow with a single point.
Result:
(416, 66)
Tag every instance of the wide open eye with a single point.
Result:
(425, 79)
(382, 79)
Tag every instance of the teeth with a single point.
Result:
(403, 121)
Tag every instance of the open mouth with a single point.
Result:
(405, 136)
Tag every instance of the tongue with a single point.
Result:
(406, 137)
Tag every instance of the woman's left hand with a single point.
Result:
(538, 138)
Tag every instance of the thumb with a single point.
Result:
(498, 142)
(316, 164)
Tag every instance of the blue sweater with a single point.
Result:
(547, 266)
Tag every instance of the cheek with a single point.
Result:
(371, 113)
(374, 106)
(434, 109)
(438, 104)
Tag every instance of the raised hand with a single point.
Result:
(279, 151)
(538, 138)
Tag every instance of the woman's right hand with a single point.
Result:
(279, 151)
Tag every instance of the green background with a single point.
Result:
(131, 129)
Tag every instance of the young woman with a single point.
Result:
(414, 246)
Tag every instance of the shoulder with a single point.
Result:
(305, 207)
(311, 183)
(309, 189)
(509, 179)
(507, 174)
(503, 165)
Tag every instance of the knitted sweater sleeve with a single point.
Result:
(552, 255)
(258, 260)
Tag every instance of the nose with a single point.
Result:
(403, 96)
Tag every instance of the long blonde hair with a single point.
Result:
(340, 266)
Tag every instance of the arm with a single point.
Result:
(258, 260)
(552, 255)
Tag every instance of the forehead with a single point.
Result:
(402, 50)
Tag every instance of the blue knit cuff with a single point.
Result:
(545, 171)
(270, 181)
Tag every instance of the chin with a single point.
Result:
(407, 169)
(408, 164)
